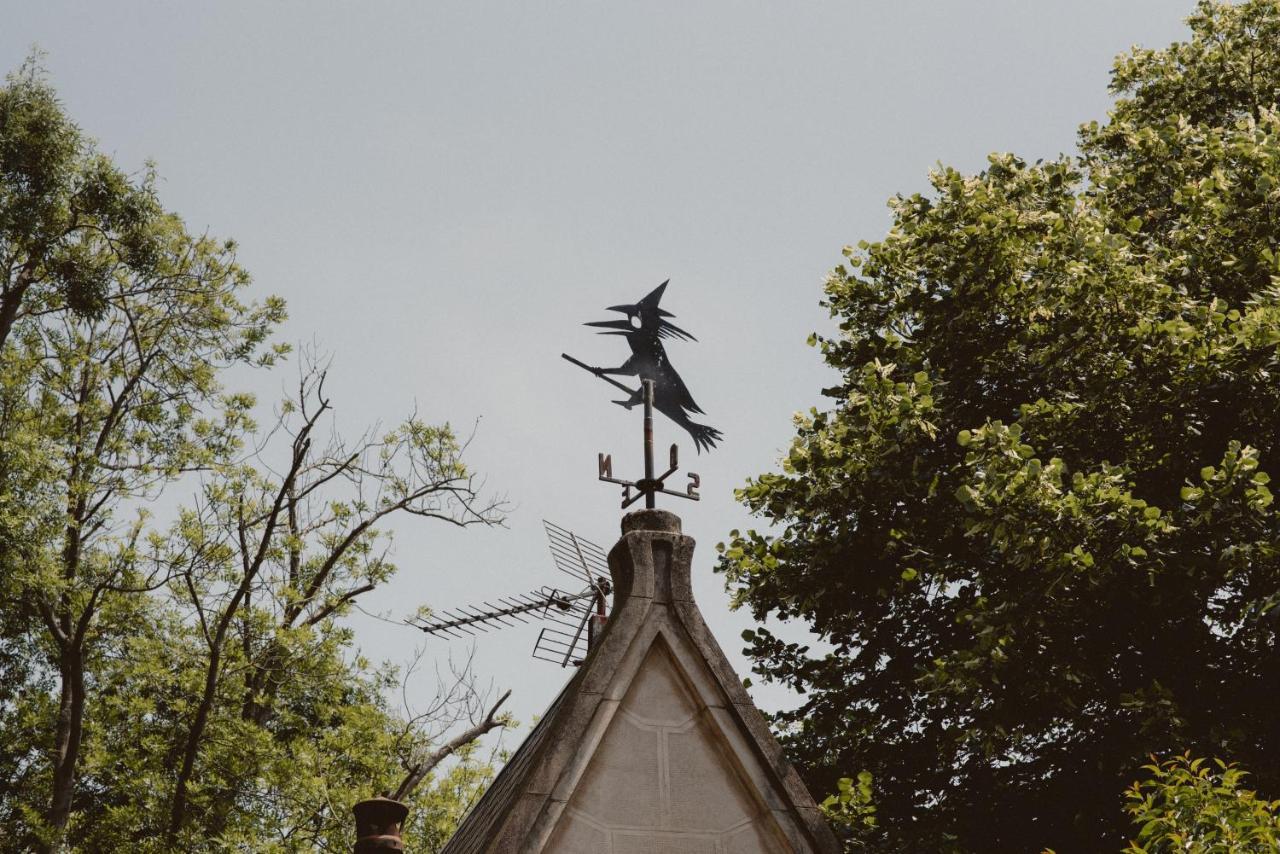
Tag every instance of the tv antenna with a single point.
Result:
(573, 617)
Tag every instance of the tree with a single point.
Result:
(189, 685)
(102, 413)
(285, 786)
(265, 561)
(1033, 530)
(851, 811)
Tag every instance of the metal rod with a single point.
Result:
(466, 620)
(586, 571)
(573, 644)
(649, 497)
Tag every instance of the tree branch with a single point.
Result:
(420, 771)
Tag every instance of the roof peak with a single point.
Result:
(622, 756)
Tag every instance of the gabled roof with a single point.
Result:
(478, 824)
(653, 744)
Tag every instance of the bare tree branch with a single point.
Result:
(421, 769)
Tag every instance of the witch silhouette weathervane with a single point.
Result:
(660, 387)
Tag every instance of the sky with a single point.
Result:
(443, 192)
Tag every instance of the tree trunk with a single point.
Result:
(69, 727)
(67, 735)
(178, 810)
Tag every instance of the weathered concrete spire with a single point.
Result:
(654, 743)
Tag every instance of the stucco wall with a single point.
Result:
(663, 779)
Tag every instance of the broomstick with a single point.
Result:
(598, 372)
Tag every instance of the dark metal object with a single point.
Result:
(575, 556)
(649, 486)
(575, 618)
(378, 822)
(644, 329)
(586, 562)
(468, 619)
(570, 643)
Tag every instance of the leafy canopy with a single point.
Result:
(71, 222)
(1034, 528)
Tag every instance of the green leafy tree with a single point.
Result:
(189, 686)
(1189, 806)
(104, 412)
(852, 810)
(284, 786)
(71, 222)
(1034, 530)
(440, 808)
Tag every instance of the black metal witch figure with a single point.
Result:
(644, 329)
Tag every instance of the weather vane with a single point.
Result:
(660, 387)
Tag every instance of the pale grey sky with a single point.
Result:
(443, 192)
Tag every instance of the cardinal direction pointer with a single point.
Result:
(650, 485)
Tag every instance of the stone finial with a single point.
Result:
(652, 560)
(662, 521)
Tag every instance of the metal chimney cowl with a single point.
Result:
(378, 822)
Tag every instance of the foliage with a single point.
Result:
(1034, 530)
(101, 411)
(1187, 805)
(70, 221)
(851, 809)
(439, 810)
(287, 786)
(264, 563)
(189, 683)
